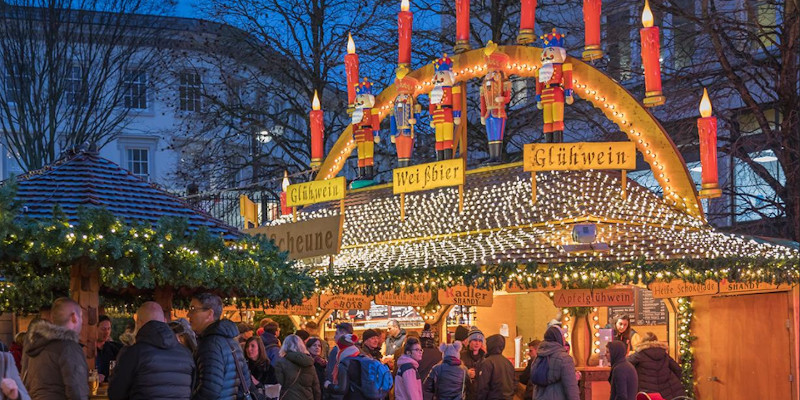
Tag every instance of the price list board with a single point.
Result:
(646, 310)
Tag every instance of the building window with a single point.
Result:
(189, 92)
(17, 83)
(75, 90)
(139, 162)
(135, 85)
(763, 18)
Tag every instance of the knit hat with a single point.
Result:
(475, 334)
(427, 333)
(369, 334)
(347, 340)
(302, 334)
(451, 350)
(461, 333)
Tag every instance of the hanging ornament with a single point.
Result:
(707, 130)
(317, 132)
(651, 54)
(527, 20)
(462, 26)
(591, 21)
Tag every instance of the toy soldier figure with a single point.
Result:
(365, 128)
(445, 107)
(553, 86)
(405, 113)
(495, 94)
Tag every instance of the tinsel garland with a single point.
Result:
(685, 339)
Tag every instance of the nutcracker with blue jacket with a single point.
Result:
(445, 107)
(366, 123)
(405, 113)
(495, 94)
(553, 86)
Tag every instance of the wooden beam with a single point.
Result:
(84, 288)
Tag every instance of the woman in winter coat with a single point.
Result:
(407, 382)
(658, 372)
(447, 380)
(560, 382)
(261, 371)
(295, 372)
(623, 378)
(314, 345)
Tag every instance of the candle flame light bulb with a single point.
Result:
(351, 45)
(705, 105)
(315, 103)
(404, 5)
(647, 15)
(285, 184)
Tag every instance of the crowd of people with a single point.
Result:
(209, 357)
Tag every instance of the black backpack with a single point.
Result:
(539, 370)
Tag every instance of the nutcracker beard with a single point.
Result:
(553, 109)
(366, 145)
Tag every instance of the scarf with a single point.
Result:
(350, 351)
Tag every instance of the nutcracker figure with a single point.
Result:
(553, 86)
(405, 113)
(366, 123)
(495, 94)
(445, 107)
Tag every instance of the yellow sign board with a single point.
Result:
(679, 288)
(344, 302)
(751, 287)
(579, 156)
(429, 176)
(302, 194)
(593, 298)
(466, 296)
(311, 238)
(418, 299)
(308, 307)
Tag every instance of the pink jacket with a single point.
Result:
(407, 385)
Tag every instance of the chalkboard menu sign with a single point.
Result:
(646, 310)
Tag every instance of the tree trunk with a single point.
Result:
(163, 296)
(84, 288)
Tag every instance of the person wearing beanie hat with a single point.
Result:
(446, 379)
(343, 328)
(461, 334)
(471, 356)
(369, 344)
(561, 381)
(496, 378)
(347, 371)
(430, 356)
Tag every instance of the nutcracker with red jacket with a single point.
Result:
(553, 86)
(405, 113)
(366, 124)
(445, 107)
(495, 94)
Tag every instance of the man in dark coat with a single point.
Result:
(624, 380)
(430, 356)
(496, 376)
(658, 372)
(343, 328)
(218, 352)
(157, 366)
(107, 349)
(396, 337)
(53, 362)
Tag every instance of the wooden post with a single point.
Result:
(460, 199)
(533, 187)
(163, 296)
(294, 214)
(462, 144)
(624, 184)
(84, 288)
(402, 207)
(581, 340)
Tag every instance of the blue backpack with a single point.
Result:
(376, 379)
(539, 371)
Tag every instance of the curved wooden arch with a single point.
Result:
(590, 84)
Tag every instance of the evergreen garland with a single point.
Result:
(685, 339)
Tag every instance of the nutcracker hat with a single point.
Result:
(443, 64)
(495, 60)
(405, 85)
(553, 39)
(364, 87)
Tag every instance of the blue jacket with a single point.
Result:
(216, 372)
(272, 345)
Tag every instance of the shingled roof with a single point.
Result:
(85, 179)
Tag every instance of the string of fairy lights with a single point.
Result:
(685, 339)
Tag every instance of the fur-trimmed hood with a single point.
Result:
(42, 333)
(651, 345)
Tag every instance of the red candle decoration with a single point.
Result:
(284, 185)
(591, 20)
(707, 129)
(462, 26)
(351, 69)
(527, 20)
(404, 21)
(651, 52)
(317, 132)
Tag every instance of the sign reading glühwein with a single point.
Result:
(428, 176)
(593, 298)
(579, 156)
(312, 238)
(302, 194)
(466, 296)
